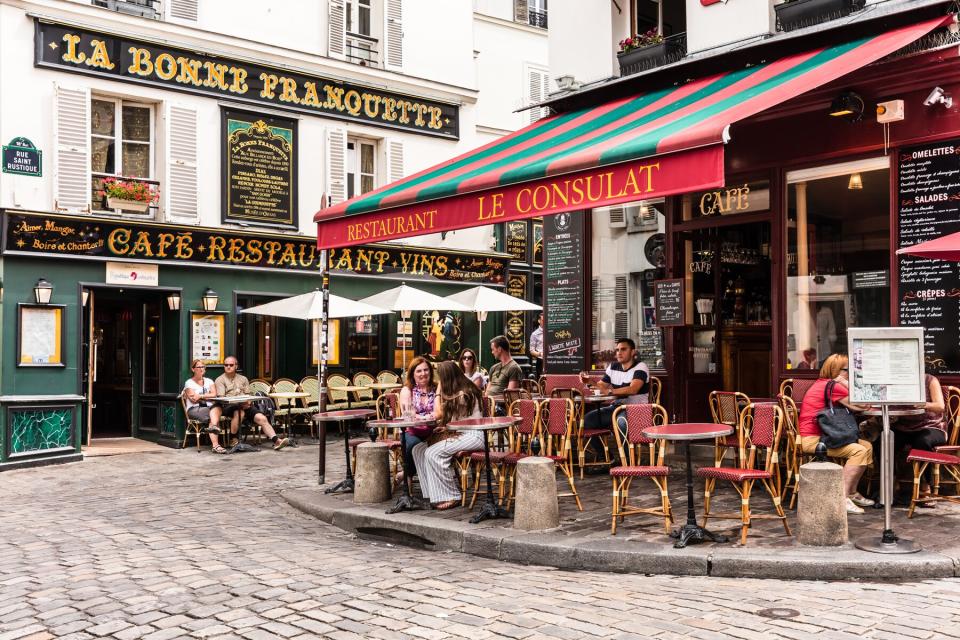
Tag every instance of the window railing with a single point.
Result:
(100, 204)
(797, 14)
(362, 50)
(142, 8)
(538, 18)
(671, 49)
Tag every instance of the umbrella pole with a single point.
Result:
(480, 342)
(322, 365)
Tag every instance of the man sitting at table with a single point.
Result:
(505, 374)
(231, 383)
(625, 380)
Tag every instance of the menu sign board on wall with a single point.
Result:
(668, 301)
(516, 239)
(516, 327)
(259, 169)
(564, 339)
(928, 198)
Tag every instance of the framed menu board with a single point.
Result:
(40, 335)
(928, 207)
(886, 365)
(207, 331)
(668, 302)
(563, 283)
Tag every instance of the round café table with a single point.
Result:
(348, 388)
(343, 417)
(490, 508)
(888, 541)
(288, 397)
(382, 387)
(405, 501)
(685, 433)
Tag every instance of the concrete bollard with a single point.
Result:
(372, 480)
(822, 511)
(537, 506)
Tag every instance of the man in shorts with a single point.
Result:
(231, 383)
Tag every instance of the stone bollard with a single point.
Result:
(372, 480)
(822, 511)
(537, 506)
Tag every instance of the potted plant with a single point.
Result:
(795, 14)
(645, 50)
(129, 193)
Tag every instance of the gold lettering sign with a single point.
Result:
(744, 198)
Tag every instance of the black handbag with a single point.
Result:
(838, 427)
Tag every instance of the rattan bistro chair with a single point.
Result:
(725, 408)
(387, 376)
(194, 427)
(258, 385)
(557, 419)
(796, 388)
(363, 399)
(655, 390)
(631, 446)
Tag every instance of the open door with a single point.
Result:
(90, 344)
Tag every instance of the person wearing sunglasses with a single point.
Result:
(231, 383)
(471, 367)
(198, 391)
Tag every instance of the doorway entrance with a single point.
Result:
(728, 283)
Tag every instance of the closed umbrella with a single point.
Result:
(484, 300)
(943, 248)
(407, 299)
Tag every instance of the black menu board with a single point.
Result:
(564, 341)
(668, 298)
(929, 207)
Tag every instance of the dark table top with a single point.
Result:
(344, 414)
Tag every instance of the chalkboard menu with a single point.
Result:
(564, 335)
(668, 301)
(516, 328)
(928, 208)
(259, 169)
(516, 239)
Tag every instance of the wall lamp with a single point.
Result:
(173, 301)
(847, 104)
(210, 299)
(42, 291)
(84, 296)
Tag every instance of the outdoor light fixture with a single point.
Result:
(210, 299)
(406, 314)
(847, 104)
(482, 316)
(42, 291)
(855, 182)
(84, 296)
(173, 301)
(938, 96)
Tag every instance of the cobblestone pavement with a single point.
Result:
(178, 544)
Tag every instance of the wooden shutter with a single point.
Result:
(337, 165)
(621, 304)
(395, 169)
(595, 312)
(393, 34)
(337, 29)
(520, 11)
(618, 217)
(181, 162)
(72, 149)
(184, 9)
(537, 90)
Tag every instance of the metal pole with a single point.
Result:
(322, 366)
(886, 475)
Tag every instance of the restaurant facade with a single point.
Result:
(746, 204)
(104, 301)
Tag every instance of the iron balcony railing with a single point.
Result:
(142, 8)
(362, 50)
(538, 18)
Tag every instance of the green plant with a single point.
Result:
(129, 189)
(640, 40)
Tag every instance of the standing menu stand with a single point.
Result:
(886, 368)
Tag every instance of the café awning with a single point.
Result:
(647, 146)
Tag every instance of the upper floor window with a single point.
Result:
(143, 8)
(361, 41)
(361, 167)
(532, 12)
(121, 144)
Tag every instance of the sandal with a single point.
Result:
(449, 504)
(219, 449)
(213, 429)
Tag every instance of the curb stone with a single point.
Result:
(619, 555)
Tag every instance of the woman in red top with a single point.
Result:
(858, 455)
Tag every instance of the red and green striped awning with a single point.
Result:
(651, 145)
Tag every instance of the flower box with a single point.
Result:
(140, 206)
(797, 14)
(651, 56)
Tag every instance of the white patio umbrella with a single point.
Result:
(406, 299)
(484, 300)
(309, 306)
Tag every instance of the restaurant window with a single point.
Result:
(628, 255)
(361, 167)
(363, 344)
(838, 255)
(361, 41)
(121, 145)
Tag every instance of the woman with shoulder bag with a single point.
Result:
(457, 398)
(857, 453)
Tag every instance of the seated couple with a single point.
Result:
(200, 390)
(430, 451)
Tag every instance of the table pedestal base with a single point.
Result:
(345, 486)
(887, 543)
(406, 502)
(489, 509)
(695, 534)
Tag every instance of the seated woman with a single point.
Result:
(198, 391)
(417, 396)
(457, 398)
(471, 367)
(858, 455)
(923, 432)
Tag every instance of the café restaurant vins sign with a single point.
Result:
(65, 236)
(120, 57)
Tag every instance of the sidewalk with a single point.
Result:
(583, 540)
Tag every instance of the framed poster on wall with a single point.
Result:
(40, 335)
(207, 333)
(333, 342)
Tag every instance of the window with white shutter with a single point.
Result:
(336, 165)
(121, 149)
(621, 302)
(183, 9)
(181, 195)
(395, 167)
(72, 149)
(337, 29)
(538, 86)
(393, 34)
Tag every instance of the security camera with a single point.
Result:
(938, 96)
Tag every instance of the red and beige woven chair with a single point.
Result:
(796, 388)
(654, 390)
(557, 419)
(512, 395)
(725, 408)
(761, 426)
(793, 455)
(945, 456)
(531, 386)
(552, 381)
(521, 438)
(639, 417)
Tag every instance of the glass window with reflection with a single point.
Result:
(628, 255)
(838, 257)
